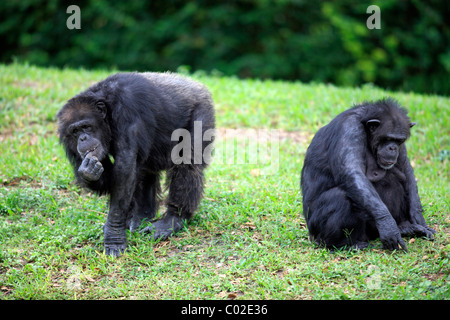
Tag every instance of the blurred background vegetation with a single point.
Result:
(310, 41)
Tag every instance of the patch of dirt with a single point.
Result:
(15, 182)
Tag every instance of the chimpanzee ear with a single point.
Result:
(101, 107)
(373, 124)
(412, 124)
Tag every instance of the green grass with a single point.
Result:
(248, 238)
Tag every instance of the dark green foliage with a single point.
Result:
(319, 41)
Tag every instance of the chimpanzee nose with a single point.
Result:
(393, 149)
(83, 137)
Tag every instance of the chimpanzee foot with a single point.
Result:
(360, 245)
(115, 250)
(115, 241)
(165, 227)
(416, 230)
(134, 223)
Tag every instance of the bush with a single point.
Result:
(295, 40)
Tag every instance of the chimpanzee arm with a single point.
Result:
(411, 188)
(415, 207)
(349, 167)
(122, 190)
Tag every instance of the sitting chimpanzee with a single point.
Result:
(357, 181)
(119, 136)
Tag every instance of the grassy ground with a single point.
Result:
(248, 240)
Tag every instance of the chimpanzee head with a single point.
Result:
(387, 129)
(83, 128)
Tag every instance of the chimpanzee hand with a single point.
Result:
(390, 234)
(90, 169)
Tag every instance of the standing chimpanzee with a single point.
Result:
(357, 181)
(119, 136)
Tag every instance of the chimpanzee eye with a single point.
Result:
(86, 127)
(75, 131)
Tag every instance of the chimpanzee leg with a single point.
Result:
(334, 222)
(185, 192)
(145, 202)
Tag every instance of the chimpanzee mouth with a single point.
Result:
(89, 151)
(386, 165)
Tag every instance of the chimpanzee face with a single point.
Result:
(387, 153)
(385, 139)
(86, 133)
(84, 130)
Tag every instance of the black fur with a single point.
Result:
(357, 181)
(130, 117)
